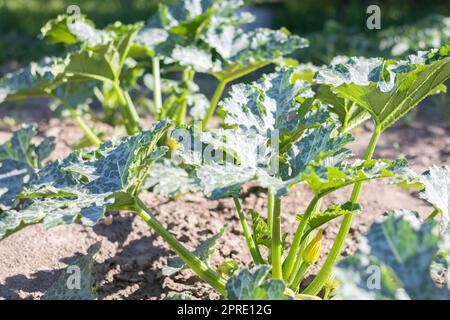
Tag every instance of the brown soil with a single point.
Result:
(131, 256)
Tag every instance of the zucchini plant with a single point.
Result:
(277, 139)
(287, 128)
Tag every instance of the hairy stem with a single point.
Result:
(157, 96)
(90, 135)
(325, 272)
(277, 271)
(254, 251)
(294, 250)
(199, 267)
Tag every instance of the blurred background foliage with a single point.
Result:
(334, 27)
(21, 20)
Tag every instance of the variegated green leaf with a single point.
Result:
(205, 35)
(332, 212)
(255, 284)
(83, 186)
(13, 175)
(326, 179)
(437, 191)
(261, 232)
(19, 158)
(72, 30)
(185, 17)
(204, 250)
(36, 79)
(167, 179)
(239, 49)
(199, 59)
(77, 281)
(266, 105)
(349, 113)
(106, 62)
(394, 261)
(272, 141)
(388, 89)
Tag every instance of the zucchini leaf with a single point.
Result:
(255, 284)
(36, 79)
(329, 214)
(271, 142)
(19, 158)
(86, 184)
(75, 30)
(206, 36)
(261, 233)
(268, 104)
(239, 50)
(388, 89)
(395, 261)
(437, 191)
(77, 281)
(349, 113)
(170, 180)
(326, 179)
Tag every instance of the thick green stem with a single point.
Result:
(254, 251)
(299, 276)
(157, 96)
(293, 251)
(270, 201)
(199, 267)
(213, 104)
(129, 113)
(92, 137)
(277, 271)
(324, 273)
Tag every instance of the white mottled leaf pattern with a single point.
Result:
(388, 89)
(167, 179)
(62, 289)
(82, 186)
(266, 118)
(19, 158)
